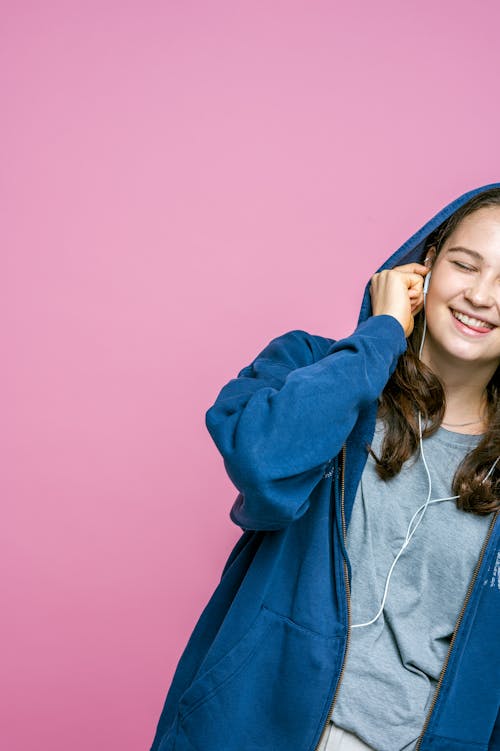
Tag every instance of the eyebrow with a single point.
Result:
(472, 253)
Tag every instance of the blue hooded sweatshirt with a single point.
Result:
(261, 669)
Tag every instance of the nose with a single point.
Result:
(479, 292)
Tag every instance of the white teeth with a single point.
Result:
(472, 321)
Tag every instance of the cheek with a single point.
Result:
(445, 285)
(444, 294)
(435, 309)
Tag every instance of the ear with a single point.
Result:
(430, 256)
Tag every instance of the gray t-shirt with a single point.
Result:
(393, 665)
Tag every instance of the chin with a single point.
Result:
(468, 355)
(459, 350)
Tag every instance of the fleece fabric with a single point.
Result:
(261, 668)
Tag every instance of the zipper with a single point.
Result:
(455, 630)
(348, 599)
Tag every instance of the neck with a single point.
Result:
(465, 412)
(465, 391)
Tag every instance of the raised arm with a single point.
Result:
(289, 412)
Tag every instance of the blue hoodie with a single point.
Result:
(261, 669)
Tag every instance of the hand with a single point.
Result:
(398, 292)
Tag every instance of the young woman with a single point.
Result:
(360, 607)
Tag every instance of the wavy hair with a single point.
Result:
(413, 386)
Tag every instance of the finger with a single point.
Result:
(414, 281)
(417, 309)
(418, 268)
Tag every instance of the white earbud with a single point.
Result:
(426, 282)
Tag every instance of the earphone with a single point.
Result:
(426, 283)
(424, 506)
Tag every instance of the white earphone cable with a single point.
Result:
(409, 534)
(424, 506)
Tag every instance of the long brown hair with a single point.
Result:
(413, 386)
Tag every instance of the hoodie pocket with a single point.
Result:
(210, 682)
(270, 690)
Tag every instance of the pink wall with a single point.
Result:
(181, 182)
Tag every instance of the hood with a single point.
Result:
(412, 249)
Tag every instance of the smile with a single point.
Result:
(471, 325)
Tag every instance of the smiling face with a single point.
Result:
(463, 301)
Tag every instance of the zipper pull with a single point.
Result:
(331, 469)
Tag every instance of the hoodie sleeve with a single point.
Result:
(288, 413)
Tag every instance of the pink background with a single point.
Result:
(180, 183)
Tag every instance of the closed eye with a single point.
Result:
(463, 266)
